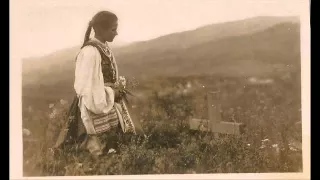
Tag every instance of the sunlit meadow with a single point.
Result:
(268, 106)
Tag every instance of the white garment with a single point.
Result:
(89, 86)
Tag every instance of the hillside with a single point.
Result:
(250, 54)
(205, 34)
(256, 46)
(62, 61)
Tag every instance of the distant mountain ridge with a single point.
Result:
(248, 44)
(207, 33)
(279, 44)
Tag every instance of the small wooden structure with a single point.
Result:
(214, 123)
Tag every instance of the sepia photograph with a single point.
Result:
(111, 88)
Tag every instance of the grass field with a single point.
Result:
(271, 141)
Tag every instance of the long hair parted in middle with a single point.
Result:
(101, 20)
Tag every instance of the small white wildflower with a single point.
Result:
(122, 78)
(248, 144)
(116, 84)
(26, 132)
(52, 115)
(122, 81)
(295, 146)
(274, 145)
(55, 111)
(292, 148)
(51, 106)
(111, 151)
(262, 147)
(63, 102)
(51, 150)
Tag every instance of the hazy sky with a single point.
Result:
(44, 26)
